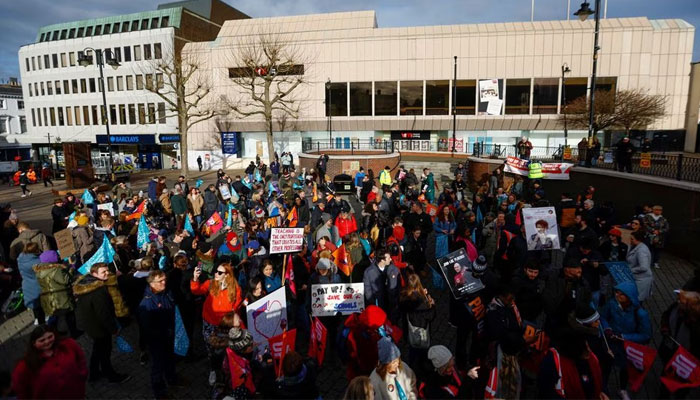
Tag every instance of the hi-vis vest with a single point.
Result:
(535, 170)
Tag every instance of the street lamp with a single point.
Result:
(330, 116)
(85, 60)
(583, 13)
(564, 70)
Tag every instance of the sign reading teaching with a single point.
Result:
(286, 240)
(344, 298)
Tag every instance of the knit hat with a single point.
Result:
(585, 314)
(239, 339)
(439, 355)
(323, 263)
(82, 220)
(49, 256)
(480, 264)
(326, 217)
(259, 213)
(387, 350)
(253, 244)
(615, 232)
(203, 246)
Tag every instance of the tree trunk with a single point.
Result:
(268, 123)
(184, 167)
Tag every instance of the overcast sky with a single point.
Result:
(21, 19)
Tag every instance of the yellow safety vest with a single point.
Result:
(535, 171)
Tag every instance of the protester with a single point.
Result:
(392, 379)
(639, 260)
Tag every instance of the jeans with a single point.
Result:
(100, 359)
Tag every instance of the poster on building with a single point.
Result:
(541, 228)
(494, 107)
(556, 171)
(608, 157)
(456, 267)
(286, 240)
(267, 317)
(458, 145)
(488, 90)
(331, 299)
(351, 167)
(229, 142)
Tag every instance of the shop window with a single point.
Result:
(437, 95)
(337, 98)
(518, 96)
(411, 97)
(360, 98)
(385, 97)
(465, 102)
(545, 95)
(575, 88)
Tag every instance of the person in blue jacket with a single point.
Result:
(30, 286)
(623, 319)
(359, 176)
(272, 280)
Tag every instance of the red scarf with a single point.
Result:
(229, 237)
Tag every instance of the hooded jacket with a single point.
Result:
(84, 241)
(55, 283)
(363, 335)
(632, 324)
(26, 236)
(156, 315)
(30, 286)
(98, 304)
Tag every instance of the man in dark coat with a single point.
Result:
(381, 281)
(211, 201)
(562, 293)
(528, 286)
(321, 167)
(625, 151)
(303, 213)
(417, 218)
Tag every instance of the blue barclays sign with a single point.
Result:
(172, 138)
(126, 139)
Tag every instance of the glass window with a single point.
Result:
(3, 124)
(575, 88)
(98, 30)
(164, 21)
(139, 82)
(518, 96)
(360, 98)
(385, 95)
(142, 114)
(66, 86)
(120, 83)
(88, 31)
(157, 51)
(22, 124)
(57, 84)
(337, 99)
(107, 29)
(33, 63)
(83, 86)
(71, 33)
(54, 58)
(61, 121)
(69, 116)
(127, 53)
(411, 98)
(38, 116)
(49, 88)
(147, 52)
(41, 39)
(466, 97)
(86, 115)
(129, 82)
(437, 97)
(151, 113)
(26, 61)
(132, 114)
(117, 53)
(154, 23)
(125, 26)
(134, 26)
(122, 114)
(64, 34)
(46, 119)
(20, 105)
(92, 85)
(113, 114)
(52, 114)
(43, 93)
(71, 59)
(144, 24)
(137, 53)
(606, 83)
(31, 90)
(47, 62)
(544, 96)
(74, 86)
(76, 109)
(159, 81)
(110, 84)
(81, 31)
(63, 60)
(55, 35)
(115, 27)
(149, 82)
(33, 118)
(100, 87)
(94, 116)
(161, 113)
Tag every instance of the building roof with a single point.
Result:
(11, 90)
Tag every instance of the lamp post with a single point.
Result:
(583, 13)
(330, 114)
(454, 110)
(85, 60)
(564, 70)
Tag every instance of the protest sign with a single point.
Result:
(682, 371)
(639, 361)
(267, 317)
(541, 228)
(215, 223)
(107, 206)
(619, 271)
(64, 242)
(317, 345)
(225, 192)
(280, 345)
(343, 298)
(286, 240)
(555, 171)
(456, 268)
(645, 160)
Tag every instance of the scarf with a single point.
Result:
(233, 248)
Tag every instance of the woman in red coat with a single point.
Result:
(53, 368)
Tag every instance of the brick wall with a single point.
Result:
(479, 171)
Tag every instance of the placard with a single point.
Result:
(107, 206)
(225, 192)
(64, 242)
(619, 271)
(331, 299)
(456, 268)
(280, 345)
(556, 171)
(267, 317)
(645, 160)
(286, 240)
(317, 340)
(541, 228)
(608, 157)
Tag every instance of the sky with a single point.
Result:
(21, 20)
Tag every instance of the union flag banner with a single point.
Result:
(317, 342)
(681, 371)
(280, 345)
(343, 260)
(639, 361)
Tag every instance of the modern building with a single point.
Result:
(12, 122)
(64, 99)
(396, 83)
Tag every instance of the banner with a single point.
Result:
(104, 254)
(541, 228)
(343, 298)
(478, 310)
(556, 171)
(267, 317)
(182, 341)
(639, 361)
(64, 242)
(143, 233)
(286, 240)
(456, 268)
(280, 345)
(107, 206)
(681, 371)
(620, 271)
(225, 192)
(138, 212)
(317, 342)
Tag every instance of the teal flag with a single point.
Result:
(143, 233)
(188, 225)
(87, 198)
(182, 342)
(229, 216)
(105, 254)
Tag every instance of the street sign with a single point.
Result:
(645, 160)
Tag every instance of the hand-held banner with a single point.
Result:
(343, 298)
(286, 240)
(639, 361)
(681, 371)
(267, 317)
(558, 171)
(456, 267)
(541, 228)
(317, 342)
(280, 345)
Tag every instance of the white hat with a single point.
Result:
(439, 355)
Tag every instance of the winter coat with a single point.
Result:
(606, 250)
(300, 386)
(132, 288)
(345, 226)
(99, 235)
(215, 307)
(156, 315)
(503, 325)
(528, 295)
(195, 203)
(26, 236)
(30, 285)
(211, 203)
(61, 376)
(165, 202)
(561, 297)
(179, 204)
(632, 324)
(55, 283)
(84, 241)
(381, 288)
(385, 389)
(58, 215)
(651, 225)
(417, 310)
(639, 261)
(95, 306)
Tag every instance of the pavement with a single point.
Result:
(331, 378)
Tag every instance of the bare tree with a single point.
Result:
(577, 111)
(267, 71)
(636, 109)
(186, 90)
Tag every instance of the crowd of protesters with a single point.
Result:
(393, 228)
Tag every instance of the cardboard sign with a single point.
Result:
(343, 298)
(286, 240)
(541, 228)
(267, 317)
(64, 241)
(620, 271)
(456, 268)
(107, 206)
(215, 223)
(317, 345)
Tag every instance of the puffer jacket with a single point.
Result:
(632, 324)
(87, 283)
(55, 283)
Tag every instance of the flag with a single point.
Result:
(229, 215)
(188, 225)
(343, 260)
(293, 217)
(161, 263)
(198, 183)
(87, 198)
(258, 178)
(247, 183)
(280, 345)
(215, 223)
(123, 346)
(639, 361)
(289, 275)
(71, 216)
(182, 342)
(270, 189)
(431, 210)
(104, 254)
(138, 212)
(317, 345)
(681, 371)
(142, 236)
(234, 195)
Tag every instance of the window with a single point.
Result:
(98, 30)
(63, 60)
(95, 121)
(54, 58)
(120, 83)
(88, 31)
(147, 52)
(144, 24)
(117, 53)
(137, 53)
(129, 82)
(142, 114)
(159, 81)
(134, 26)
(71, 33)
(52, 114)
(385, 98)
(26, 61)
(64, 34)
(161, 113)
(149, 82)
(154, 23)
(43, 93)
(411, 98)
(49, 88)
(58, 87)
(110, 84)
(113, 114)
(33, 118)
(466, 97)
(157, 51)
(36, 88)
(81, 31)
(107, 29)
(74, 86)
(20, 105)
(47, 63)
(83, 86)
(69, 116)
(22, 124)
(139, 82)
(31, 90)
(86, 115)
(46, 120)
(544, 96)
(337, 98)
(55, 35)
(76, 109)
(132, 114)
(518, 96)
(3, 124)
(115, 28)
(606, 83)
(360, 98)
(125, 26)
(38, 116)
(151, 113)
(122, 114)
(3, 104)
(61, 121)
(66, 86)
(103, 112)
(71, 59)
(437, 97)
(164, 22)
(127, 53)
(33, 64)
(92, 85)
(41, 39)
(574, 88)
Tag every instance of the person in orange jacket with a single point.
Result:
(345, 222)
(393, 243)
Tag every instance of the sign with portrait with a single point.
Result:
(541, 228)
(457, 269)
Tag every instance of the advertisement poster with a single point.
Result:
(343, 298)
(286, 240)
(541, 228)
(494, 107)
(488, 90)
(456, 268)
(267, 317)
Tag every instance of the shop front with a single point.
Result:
(170, 150)
(139, 151)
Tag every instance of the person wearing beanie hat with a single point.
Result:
(240, 340)
(614, 249)
(328, 229)
(394, 242)
(56, 296)
(445, 381)
(326, 273)
(392, 379)
(561, 294)
(528, 285)
(479, 265)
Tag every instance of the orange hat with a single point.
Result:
(615, 232)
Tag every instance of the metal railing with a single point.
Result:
(387, 146)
